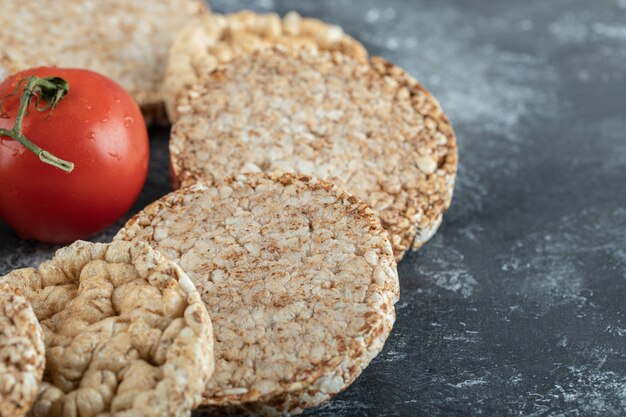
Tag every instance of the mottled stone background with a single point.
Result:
(517, 306)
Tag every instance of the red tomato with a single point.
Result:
(99, 128)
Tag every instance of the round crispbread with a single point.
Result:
(370, 128)
(126, 40)
(217, 39)
(22, 354)
(299, 279)
(125, 330)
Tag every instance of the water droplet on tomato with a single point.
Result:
(115, 155)
(91, 135)
(88, 107)
(116, 98)
(104, 120)
(128, 121)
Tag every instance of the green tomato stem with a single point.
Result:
(52, 90)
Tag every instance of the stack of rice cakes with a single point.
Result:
(299, 274)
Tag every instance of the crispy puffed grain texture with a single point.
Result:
(125, 330)
(217, 39)
(299, 279)
(370, 128)
(126, 40)
(22, 355)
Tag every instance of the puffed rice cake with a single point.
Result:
(22, 354)
(216, 39)
(126, 40)
(299, 279)
(125, 330)
(370, 128)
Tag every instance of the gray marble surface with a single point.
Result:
(516, 307)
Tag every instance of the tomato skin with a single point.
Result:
(99, 128)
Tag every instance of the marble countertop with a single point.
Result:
(516, 307)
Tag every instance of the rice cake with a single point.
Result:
(125, 330)
(370, 128)
(126, 40)
(22, 355)
(216, 39)
(298, 277)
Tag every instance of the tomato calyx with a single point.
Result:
(51, 90)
